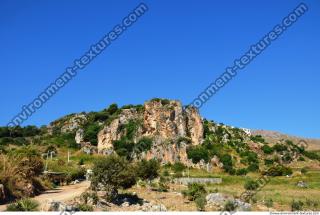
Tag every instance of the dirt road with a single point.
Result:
(62, 194)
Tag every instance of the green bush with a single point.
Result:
(112, 173)
(123, 147)
(85, 207)
(197, 153)
(311, 155)
(254, 167)
(226, 159)
(269, 203)
(280, 147)
(257, 139)
(278, 170)
(178, 167)
(267, 149)
(143, 145)
(297, 205)
(229, 206)
(194, 191)
(201, 202)
(148, 170)
(242, 171)
(251, 185)
(304, 170)
(23, 205)
(91, 133)
(268, 162)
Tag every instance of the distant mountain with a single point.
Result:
(275, 136)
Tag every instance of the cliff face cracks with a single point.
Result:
(167, 122)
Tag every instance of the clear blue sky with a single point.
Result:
(174, 51)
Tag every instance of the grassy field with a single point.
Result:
(281, 190)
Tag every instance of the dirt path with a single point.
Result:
(62, 194)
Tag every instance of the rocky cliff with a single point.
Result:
(170, 126)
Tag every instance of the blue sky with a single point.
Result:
(174, 51)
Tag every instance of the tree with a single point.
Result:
(267, 149)
(148, 170)
(112, 109)
(112, 172)
(91, 133)
(197, 153)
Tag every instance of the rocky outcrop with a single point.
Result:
(113, 132)
(79, 136)
(69, 123)
(166, 121)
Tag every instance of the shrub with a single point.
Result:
(230, 206)
(147, 170)
(312, 204)
(278, 170)
(304, 170)
(201, 202)
(165, 173)
(112, 172)
(267, 149)
(296, 205)
(269, 203)
(197, 153)
(251, 185)
(242, 171)
(257, 139)
(143, 145)
(178, 167)
(113, 108)
(287, 158)
(194, 191)
(311, 155)
(23, 205)
(86, 196)
(226, 159)
(254, 167)
(85, 207)
(280, 147)
(268, 162)
(123, 147)
(91, 133)
(163, 185)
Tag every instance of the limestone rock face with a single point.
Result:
(165, 121)
(79, 136)
(113, 132)
(69, 123)
(194, 125)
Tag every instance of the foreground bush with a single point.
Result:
(201, 202)
(251, 185)
(196, 192)
(111, 173)
(23, 205)
(229, 206)
(21, 177)
(297, 205)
